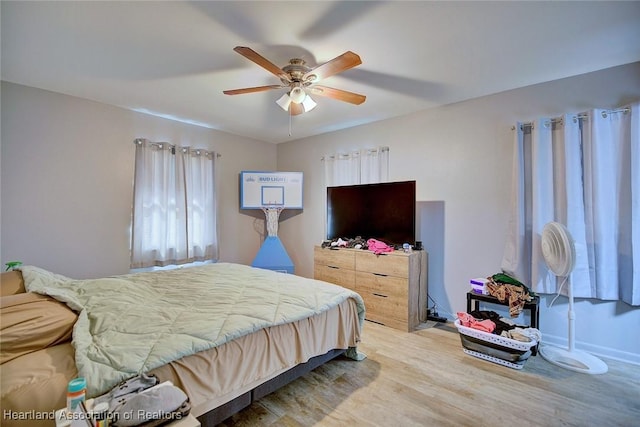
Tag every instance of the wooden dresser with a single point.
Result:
(393, 285)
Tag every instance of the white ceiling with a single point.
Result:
(174, 59)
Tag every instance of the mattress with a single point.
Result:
(214, 377)
(33, 385)
(134, 323)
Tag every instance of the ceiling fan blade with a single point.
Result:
(339, 94)
(251, 89)
(252, 55)
(336, 65)
(296, 109)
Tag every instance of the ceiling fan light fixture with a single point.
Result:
(284, 101)
(297, 95)
(308, 104)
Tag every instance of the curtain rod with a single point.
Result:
(625, 110)
(552, 120)
(357, 153)
(583, 116)
(161, 144)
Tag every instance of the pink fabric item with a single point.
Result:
(378, 247)
(471, 322)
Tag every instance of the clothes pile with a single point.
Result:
(144, 401)
(378, 247)
(491, 322)
(356, 243)
(374, 245)
(506, 288)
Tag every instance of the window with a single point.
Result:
(174, 210)
(584, 172)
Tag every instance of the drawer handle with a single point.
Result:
(380, 295)
(331, 266)
(380, 274)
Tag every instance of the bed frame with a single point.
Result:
(221, 413)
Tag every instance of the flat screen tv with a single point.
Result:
(384, 211)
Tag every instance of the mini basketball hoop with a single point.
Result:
(271, 192)
(272, 214)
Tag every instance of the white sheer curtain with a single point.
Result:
(202, 234)
(374, 165)
(358, 167)
(342, 169)
(174, 211)
(583, 171)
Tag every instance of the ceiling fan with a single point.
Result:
(300, 80)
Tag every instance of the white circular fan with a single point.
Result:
(559, 252)
(558, 249)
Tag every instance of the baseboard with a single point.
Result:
(596, 350)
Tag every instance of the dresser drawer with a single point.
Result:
(390, 264)
(336, 275)
(385, 298)
(389, 312)
(341, 258)
(387, 286)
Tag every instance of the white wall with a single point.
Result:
(67, 176)
(461, 156)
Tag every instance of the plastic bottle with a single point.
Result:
(76, 392)
(101, 414)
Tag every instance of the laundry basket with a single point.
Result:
(494, 348)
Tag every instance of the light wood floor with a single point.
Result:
(425, 379)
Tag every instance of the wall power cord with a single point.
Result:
(432, 314)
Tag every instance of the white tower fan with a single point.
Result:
(559, 253)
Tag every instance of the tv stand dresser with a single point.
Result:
(393, 285)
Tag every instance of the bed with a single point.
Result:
(226, 334)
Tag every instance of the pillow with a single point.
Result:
(31, 322)
(11, 283)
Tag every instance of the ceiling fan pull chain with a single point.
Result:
(290, 120)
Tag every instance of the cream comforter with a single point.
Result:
(133, 323)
